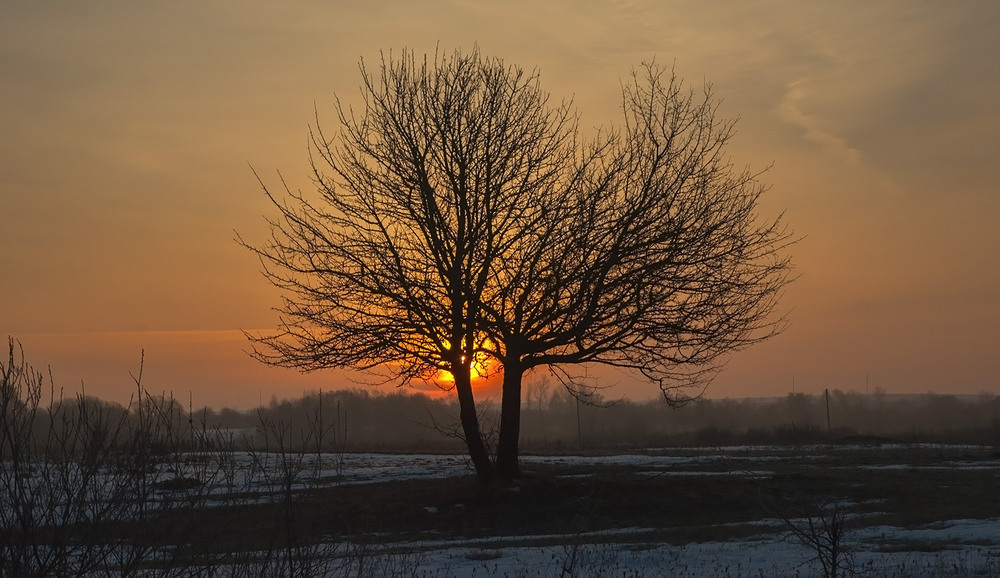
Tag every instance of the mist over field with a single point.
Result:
(554, 421)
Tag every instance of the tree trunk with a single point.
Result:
(470, 427)
(508, 466)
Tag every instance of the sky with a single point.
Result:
(129, 130)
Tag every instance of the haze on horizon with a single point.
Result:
(128, 129)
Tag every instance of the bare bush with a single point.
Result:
(91, 488)
(821, 525)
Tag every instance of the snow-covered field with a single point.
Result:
(960, 547)
(967, 547)
(362, 468)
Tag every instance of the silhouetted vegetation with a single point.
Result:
(554, 420)
(91, 488)
(462, 221)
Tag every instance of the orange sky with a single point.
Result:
(128, 129)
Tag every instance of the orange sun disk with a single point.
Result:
(479, 373)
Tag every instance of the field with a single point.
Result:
(880, 509)
(91, 488)
(742, 511)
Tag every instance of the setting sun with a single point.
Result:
(481, 371)
(483, 368)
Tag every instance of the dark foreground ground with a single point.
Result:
(718, 497)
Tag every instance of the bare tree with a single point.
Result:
(657, 262)
(460, 217)
(425, 186)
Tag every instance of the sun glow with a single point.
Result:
(482, 369)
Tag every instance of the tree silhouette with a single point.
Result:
(460, 217)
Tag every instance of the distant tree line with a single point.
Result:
(554, 420)
(359, 420)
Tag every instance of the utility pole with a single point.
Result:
(826, 393)
(579, 430)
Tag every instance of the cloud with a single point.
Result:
(790, 110)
